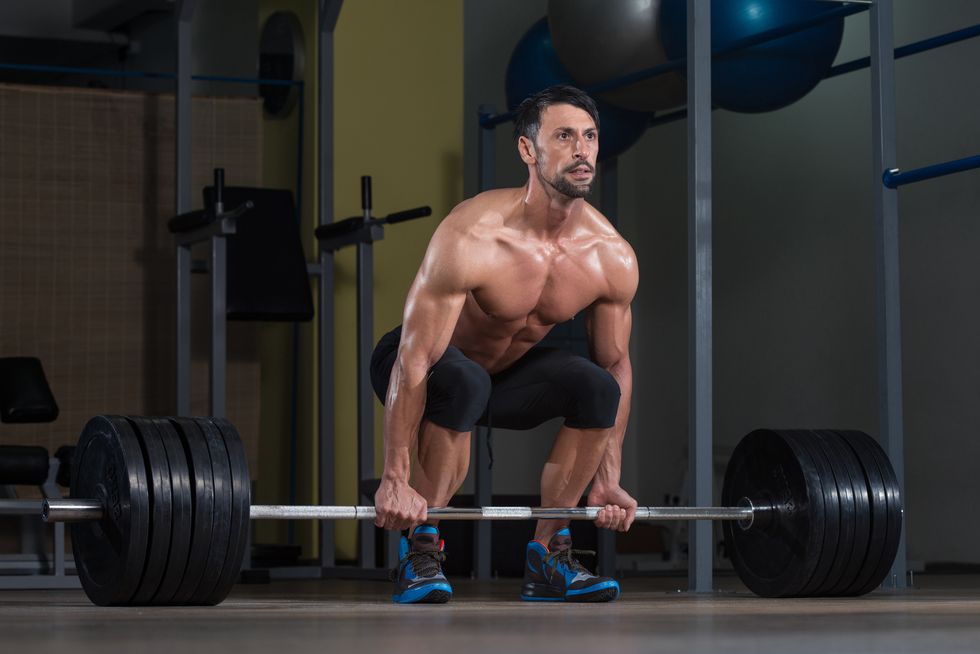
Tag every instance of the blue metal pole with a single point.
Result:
(910, 49)
(893, 177)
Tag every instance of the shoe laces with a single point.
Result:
(567, 558)
(425, 563)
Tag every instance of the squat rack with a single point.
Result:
(886, 178)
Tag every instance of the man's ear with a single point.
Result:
(526, 149)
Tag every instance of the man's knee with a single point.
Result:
(595, 397)
(458, 392)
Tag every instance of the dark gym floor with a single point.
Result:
(942, 614)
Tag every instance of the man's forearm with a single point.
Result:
(403, 414)
(610, 468)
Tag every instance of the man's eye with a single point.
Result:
(563, 135)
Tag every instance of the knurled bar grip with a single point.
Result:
(86, 510)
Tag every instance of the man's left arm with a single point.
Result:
(608, 325)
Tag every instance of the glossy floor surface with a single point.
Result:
(941, 614)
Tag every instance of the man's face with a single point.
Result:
(566, 149)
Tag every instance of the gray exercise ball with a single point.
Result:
(598, 40)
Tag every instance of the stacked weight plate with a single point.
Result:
(176, 498)
(831, 517)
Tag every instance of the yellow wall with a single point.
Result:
(398, 116)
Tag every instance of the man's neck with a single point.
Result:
(547, 212)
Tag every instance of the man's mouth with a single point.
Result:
(581, 172)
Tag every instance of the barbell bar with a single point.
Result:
(159, 511)
(79, 510)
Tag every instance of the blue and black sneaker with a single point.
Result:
(419, 578)
(553, 574)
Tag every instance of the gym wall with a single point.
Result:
(87, 267)
(794, 267)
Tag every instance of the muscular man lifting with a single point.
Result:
(501, 270)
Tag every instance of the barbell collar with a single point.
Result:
(71, 510)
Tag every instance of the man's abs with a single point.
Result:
(496, 343)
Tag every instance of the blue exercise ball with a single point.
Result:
(767, 76)
(534, 66)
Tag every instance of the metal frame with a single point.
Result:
(609, 206)
(53, 572)
(888, 320)
(700, 407)
(482, 475)
(329, 13)
(183, 163)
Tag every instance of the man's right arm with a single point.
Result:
(431, 311)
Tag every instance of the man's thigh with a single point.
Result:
(551, 383)
(457, 388)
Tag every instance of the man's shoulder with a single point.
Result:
(605, 235)
(616, 255)
(479, 217)
(495, 202)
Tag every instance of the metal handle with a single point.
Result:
(366, 194)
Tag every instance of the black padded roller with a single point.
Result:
(23, 465)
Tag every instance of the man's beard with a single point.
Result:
(565, 187)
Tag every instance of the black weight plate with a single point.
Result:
(202, 490)
(778, 554)
(864, 582)
(109, 554)
(241, 502)
(894, 502)
(182, 525)
(838, 456)
(158, 481)
(221, 519)
(831, 505)
(896, 511)
(862, 515)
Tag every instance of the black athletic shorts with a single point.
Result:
(545, 383)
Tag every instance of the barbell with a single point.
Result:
(159, 511)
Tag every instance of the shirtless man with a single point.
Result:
(500, 271)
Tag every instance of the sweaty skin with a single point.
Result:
(501, 270)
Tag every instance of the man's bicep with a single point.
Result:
(429, 321)
(610, 319)
(434, 303)
(608, 325)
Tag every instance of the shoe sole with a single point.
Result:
(434, 596)
(605, 594)
(602, 595)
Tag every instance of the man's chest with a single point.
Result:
(540, 291)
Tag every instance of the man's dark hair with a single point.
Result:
(527, 121)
